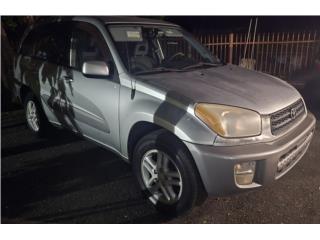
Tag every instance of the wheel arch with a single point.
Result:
(142, 128)
(137, 131)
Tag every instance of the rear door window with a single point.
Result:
(52, 44)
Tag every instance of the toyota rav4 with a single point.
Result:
(190, 125)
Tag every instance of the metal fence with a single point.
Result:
(279, 54)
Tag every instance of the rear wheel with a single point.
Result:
(36, 119)
(166, 173)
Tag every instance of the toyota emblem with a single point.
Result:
(293, 113)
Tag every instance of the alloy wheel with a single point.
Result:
(32, 116)
(161, 177)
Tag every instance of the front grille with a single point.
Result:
(285, 118)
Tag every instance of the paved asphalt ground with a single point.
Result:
(69, 180)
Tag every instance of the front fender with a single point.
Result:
(171, 111)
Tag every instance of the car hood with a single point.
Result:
(228, 85)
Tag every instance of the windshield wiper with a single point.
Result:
(202, 64)
(157, 70)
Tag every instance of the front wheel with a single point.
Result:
(166, 173)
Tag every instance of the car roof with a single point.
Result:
(106, 20)
(131, 19)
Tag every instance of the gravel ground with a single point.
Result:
(69, 180)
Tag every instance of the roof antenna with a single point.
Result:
(245, 62)
(254, 38)
(247, 40)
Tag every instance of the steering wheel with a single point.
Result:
(176, 55)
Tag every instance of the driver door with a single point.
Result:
(91, 103)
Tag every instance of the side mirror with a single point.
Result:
(95, 69)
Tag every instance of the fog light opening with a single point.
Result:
(244, 172)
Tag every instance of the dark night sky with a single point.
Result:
(241, 23)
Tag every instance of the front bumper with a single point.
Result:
(216, 164)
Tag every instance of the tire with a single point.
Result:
(163, 145)
(36, 119)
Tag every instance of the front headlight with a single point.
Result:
(229, 122)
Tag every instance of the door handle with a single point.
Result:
(67, 79)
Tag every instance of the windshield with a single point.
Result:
(148, 49)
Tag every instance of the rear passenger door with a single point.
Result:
(92, 103)
(41, 63)
(50, 62)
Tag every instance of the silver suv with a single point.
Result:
(190, 125)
